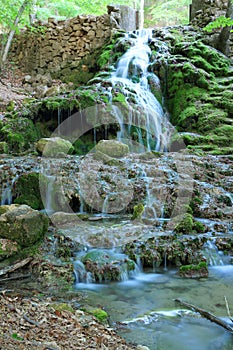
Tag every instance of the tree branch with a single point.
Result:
(207, 315)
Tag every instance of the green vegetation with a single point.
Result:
(28, 188)
(201, 265)
(170, 12)
(19, 133)
(100, 314)
(137, 211)
(188, 225)
(219, 22)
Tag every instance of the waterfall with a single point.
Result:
(144, 112)
(212, 254)
(6, 198)
(49, 197)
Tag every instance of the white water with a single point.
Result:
(132, 76)
(6, 198)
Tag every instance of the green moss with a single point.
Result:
(198, 227)
(62, 307)
(3, 147)
(137, 211)
(28, 189)
(100, 314)
(119, 97)
(185, 226)
(19, 134)
(201, 265)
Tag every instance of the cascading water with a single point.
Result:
(145, 113)
(6, 197)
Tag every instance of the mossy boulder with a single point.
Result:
(188, 225)
(106, 265)
(22, 224)
(197, 81)
(194, 271)
(54, 147)
(113, 148)
(28, 189)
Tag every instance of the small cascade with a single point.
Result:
(81, 274)
(145, 118)
(6, 197)
(153, 208)
(49, 196)
(101, 265)
(214, 257)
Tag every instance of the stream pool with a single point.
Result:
(144, 311)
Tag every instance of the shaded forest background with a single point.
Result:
(157, 12)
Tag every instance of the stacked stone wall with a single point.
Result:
(57, 47)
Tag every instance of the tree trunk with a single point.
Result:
(207, 315)
(141, 11)
(12, 32)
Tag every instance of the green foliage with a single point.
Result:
(61, 9)
(169, 12)
(219, 22)
(16, 336)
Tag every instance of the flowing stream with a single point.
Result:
(145, 313)
(142, 305)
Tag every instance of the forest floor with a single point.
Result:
(44, 324)
(11, 87)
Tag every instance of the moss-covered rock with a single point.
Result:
(194, 271)
(22, 224)
(107, 266)
(156, 251)
(28, 189)
(188, 225)
(100, 314)
(113, 148)
(54, 147)
(197, 81)
(137, 211)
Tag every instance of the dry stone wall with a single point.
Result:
(59, 47)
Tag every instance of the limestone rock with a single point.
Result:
(22, 224)
(107, 266)
(54, 146)
(113, 148)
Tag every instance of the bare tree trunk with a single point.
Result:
(12, 32)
